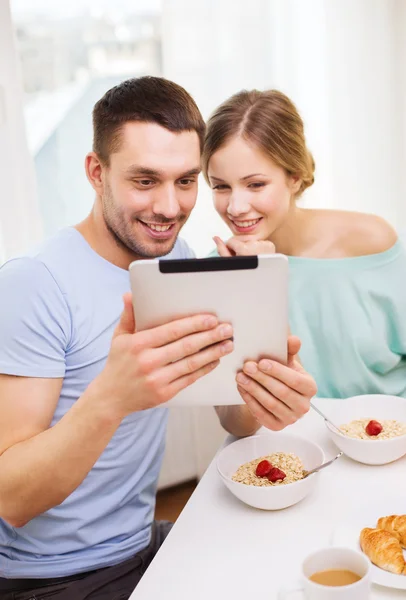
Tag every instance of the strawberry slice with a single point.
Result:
(276, 474)
(263, 468)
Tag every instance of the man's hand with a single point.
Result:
(277, 395)
(243, 246)
(147, 368)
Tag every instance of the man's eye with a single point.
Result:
(145, 182)
(186, 181)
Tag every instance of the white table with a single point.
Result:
(221, 548)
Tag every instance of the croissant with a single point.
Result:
(395, 524)
(383, 549)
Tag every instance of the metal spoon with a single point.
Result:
(326, 464)
(326, 419)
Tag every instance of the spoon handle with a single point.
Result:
(326, 464)
(325, 418)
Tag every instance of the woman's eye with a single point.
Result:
(256, 185)
(220, 186)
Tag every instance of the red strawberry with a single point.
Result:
(263, 468)
(373, 428)
(276, 474)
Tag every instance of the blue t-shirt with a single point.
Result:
(58, 309)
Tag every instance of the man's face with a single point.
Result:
(150, 187)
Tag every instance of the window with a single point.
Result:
(70, 54)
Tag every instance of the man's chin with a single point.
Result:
(157, 248)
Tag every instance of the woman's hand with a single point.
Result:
(277, 395)
(243, 246)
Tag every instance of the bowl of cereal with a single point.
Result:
(373, 428)
(266, 470)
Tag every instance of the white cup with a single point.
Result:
(333, 558)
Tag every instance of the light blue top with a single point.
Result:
(58, 310)
(350, 314)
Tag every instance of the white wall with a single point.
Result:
(20, 224)
(366, 78)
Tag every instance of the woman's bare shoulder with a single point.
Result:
(357, 234)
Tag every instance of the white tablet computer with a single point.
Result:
(250, 292)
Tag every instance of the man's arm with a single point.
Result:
(41, 466)
(237, 420)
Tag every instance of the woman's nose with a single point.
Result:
(238, 204)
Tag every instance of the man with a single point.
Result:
(82, 421)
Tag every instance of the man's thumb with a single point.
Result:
(127, 319)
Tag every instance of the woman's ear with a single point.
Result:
(295, 184)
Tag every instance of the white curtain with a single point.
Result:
(343, 64)
(20, 223)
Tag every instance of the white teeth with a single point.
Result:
(158, 227)
(246, 223)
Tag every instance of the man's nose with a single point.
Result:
(166, 202)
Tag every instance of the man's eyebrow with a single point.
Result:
(191, 172)
(137, 171)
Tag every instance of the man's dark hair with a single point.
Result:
(143, 99)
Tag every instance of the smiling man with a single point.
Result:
(82, 421)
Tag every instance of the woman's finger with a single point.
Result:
(221, 247)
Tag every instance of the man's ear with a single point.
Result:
(94, 171)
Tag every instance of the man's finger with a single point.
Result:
(183, 382)
(294, 345)
(192, 344)
(195, 362)
(270, 373)
(263, 416)
(176, 330)
(127, 319)
(270, 402)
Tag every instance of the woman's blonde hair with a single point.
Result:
(271, 121)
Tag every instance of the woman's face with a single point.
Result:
(251, 193)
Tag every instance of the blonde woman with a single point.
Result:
(347, 270)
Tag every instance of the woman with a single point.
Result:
(347, 270)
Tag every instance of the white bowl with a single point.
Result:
(271, 497)
(374, 406)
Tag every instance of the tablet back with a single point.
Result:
(250, 292)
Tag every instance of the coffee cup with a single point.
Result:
(333, 574)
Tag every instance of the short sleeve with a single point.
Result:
(35, 323)
(181, 250)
